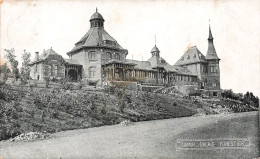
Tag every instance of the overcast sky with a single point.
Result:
(235, 24)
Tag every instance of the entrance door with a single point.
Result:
(73, 74)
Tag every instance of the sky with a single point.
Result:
(178, 25)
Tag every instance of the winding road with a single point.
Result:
(149, 139)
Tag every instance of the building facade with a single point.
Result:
(98, 56)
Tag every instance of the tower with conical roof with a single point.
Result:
(96, 48)
(213, 77)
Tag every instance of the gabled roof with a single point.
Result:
(47, 53)
(192, 55)
(44, 55)
(96, 37)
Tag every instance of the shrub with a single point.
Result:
(93, 82)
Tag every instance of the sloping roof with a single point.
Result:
(96, 37)
(155, 49)
(211, 53)
(170, 68)
(192, 55)
(44, 55)
(183, 70)
(141, 65)
(96, 15)
(210, 34)
(47, 53)
(157, 62)
(72, 61)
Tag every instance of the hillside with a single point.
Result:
(35, 109)
(39, 109)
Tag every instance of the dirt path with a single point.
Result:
(151, 139)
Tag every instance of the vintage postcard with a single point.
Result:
(129, 79)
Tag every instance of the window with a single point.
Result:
(55, 70)
(109, 56)
(194, 56)
(215, 94)
(204, 69)
(188, 57)
(213, 69)
(92, 56)
(117, 56)
(52, 70)
(36, 68)
(214, 84)
(92, 71)
(182, 58)
(103, 56)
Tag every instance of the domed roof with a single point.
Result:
(96, 15)
(155, 49)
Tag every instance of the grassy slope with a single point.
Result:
(56, 110)
(40, 109)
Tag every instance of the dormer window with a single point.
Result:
(194, 56)
(182, 58)
(188, 57)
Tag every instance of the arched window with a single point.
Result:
(92, 71)
(109, 56)
(92, 56)
(117, 56)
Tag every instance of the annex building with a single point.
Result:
(98, 56)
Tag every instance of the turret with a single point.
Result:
(211, 53)
(96, 20)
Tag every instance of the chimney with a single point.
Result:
(36, 56)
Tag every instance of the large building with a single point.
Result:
(98, 56)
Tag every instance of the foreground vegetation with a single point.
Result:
(27, 109)
(34, 109)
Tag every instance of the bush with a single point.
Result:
(93, 82)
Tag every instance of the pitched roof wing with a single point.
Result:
(192, 55)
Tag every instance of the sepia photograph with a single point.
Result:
(146, 79)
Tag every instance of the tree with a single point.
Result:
(4, 71)
(14, 63)
(46, 76)
(25, 69)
